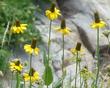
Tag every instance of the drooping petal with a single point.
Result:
(53, 15)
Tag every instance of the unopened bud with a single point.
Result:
(52, 9)
(96, 17)
(31, 72)
(78, 46)
(17, 23)
(17, 62)
(63, 24)
(33, 45)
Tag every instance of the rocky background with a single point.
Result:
(78, 14)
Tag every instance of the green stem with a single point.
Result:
(12, 81)
(4, 36)
(79, 73)
(30, 61)
(18, 81)
(76, 69)
(46, 75)
(10, 34)
(85, 84)
(24, 83)
(62, 59)
(108, 41)
(49, 40)
(30, 69)
(108, 45)
(98, 63)
(81, 84)
(70, 80)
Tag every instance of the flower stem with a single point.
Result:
(85, 84)
(24, 83)
(98, 63)
(79, 72)
(18, 81)
(30, 61)
(49, 40)
(10, 34)
(76, 69)
(30, 69)
(108, 45)
(62, 58)
(4, 36)
(12, 81)
(70, 80)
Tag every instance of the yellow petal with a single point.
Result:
(28, 49)
(94, 25)
(52, 15)
(36, 51)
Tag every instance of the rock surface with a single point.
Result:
(77, 13)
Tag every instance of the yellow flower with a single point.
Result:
(18, 28)
(74, 51)
(15, 65)
(33, 74)
(52, 13)
(77, 49)
(97, 23)
(86, 74)
(31, 50)
(101, 24)
(63, 29)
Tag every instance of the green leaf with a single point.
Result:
(48, 75)
(57, 84)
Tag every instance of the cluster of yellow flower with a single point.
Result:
(52, 14)
(16, 66)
